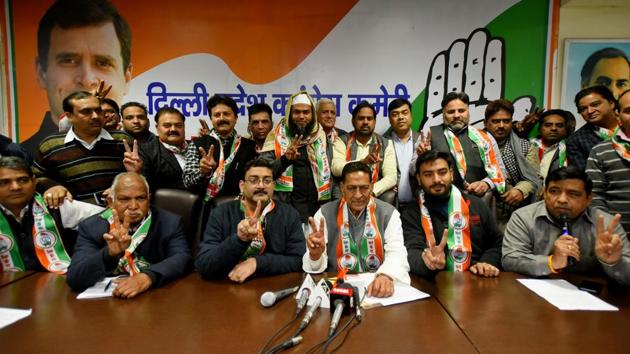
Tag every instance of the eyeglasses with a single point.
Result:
(254, 181)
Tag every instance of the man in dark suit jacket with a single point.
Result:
(163, 158)
(130, 238)
(204, 170)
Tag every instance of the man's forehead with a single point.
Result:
(553, 118)
(591, 97)
(624, 101)
(259, 172)
(432, 165)
(89, 101)
(568, 184)
(357, 178)
(12, 173)
(300, 107)
(99, 39)
(133, 110)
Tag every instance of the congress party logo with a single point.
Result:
(6, 243)
(348, 261)
(459, 254)
(45, 239)
(457, 220)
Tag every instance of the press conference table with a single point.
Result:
(195, 316)
(7, 278)
(500, 315)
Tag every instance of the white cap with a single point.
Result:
(301, 98)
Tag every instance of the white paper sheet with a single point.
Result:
(566, 296)
(8, 316)
(402, 292)
(99, 290)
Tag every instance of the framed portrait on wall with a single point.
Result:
(589, 62)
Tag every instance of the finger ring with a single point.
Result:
(570, 248)
(49, 195)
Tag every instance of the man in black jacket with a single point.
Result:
(130, 238)
(447, 229)
(254, 235)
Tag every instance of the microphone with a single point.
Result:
(306, 292)
(564, 218)
(357, 301)
(309, 314)
(269, 298)
(341, 297)
(339, 307)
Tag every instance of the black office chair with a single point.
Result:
(188, 206)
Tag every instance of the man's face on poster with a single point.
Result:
(613, 73)
(78, 59)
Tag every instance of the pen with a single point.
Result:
(107, 286)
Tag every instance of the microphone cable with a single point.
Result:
(278, 333)
(346, 327)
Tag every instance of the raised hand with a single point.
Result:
(524, 126)
(608, 244)
(315, 242)
(132, 160)
(203, 129)
(434, 257)
(374, 156)
(101, 91)
(247, 229)
(207, 164)
(424, 144)
(292, 151)
(118, 238)
(475, 66)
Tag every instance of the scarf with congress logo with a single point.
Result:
(375, 167)
(562, 151)
(131, 263)
(49, 247)
(621, 146)
(458, 241)
(218, 177)
(487, 150)
(348, 257)
(258, 244)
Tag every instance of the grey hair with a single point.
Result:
(112, 189)
(322, 101)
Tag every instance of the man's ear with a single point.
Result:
(42, 77)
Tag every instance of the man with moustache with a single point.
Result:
(596, 105)
(404, 140)
(215, 162)
(478, 164)
(260, 123)
(522, 182)
(537, 243)
(111, 112)
(130, 238)
(358, 233)
(162, 159)
(82, 163)
(549, 151)
(297, 145)
(135, 122)
(32, 236)
(254, 235)
(362, 144)
(608, 166)
(447, 229)
(79, 44)
(327, 118)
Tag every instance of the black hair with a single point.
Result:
(165, 110)
(593, 59)
(495, 106)
(355, 166)
(258, 162)
(222, 99)
(360, 106)
(67, 102)
(597, 89)
(569, 172)
(112, 103)
(433, 155)
(397, 103)
(569, 119)
(452, 96)
(258, 108)
(82, 13)
(16, 163)
(134, 104)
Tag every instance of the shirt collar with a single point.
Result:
(70, 136)
(22, 212)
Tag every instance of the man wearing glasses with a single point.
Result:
(253, 235)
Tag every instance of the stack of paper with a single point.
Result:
(8, 316)
(566, 296)
(402, 292)
(103, 288)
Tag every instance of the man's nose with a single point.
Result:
(87, 77)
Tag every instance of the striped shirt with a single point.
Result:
(611, 181)
(85, 173)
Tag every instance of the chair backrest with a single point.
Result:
(186, 205)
